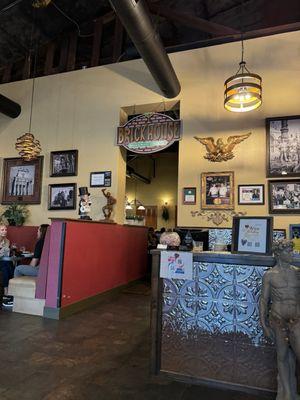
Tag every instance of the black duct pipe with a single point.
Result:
(136, 20)
(9, 107)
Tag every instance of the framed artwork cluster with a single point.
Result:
(283, 161)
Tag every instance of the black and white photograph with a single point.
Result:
(217, 190)
(62, 196)
(284, 197)
(283, 146)
(251, 194)
(63, 163)
(22, 181)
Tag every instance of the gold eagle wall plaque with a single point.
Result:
(220, 151)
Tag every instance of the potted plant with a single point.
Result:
(16, 214)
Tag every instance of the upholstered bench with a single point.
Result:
(23, 289)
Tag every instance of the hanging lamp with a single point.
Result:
(243, 91)
(27, 146)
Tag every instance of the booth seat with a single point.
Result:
(29, 291)
(23, 236)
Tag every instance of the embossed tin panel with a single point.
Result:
(211, 326)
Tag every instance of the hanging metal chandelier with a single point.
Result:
(243, 91)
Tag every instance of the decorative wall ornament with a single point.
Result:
(28, 147)
(108, 208)
(217, 217)
(220, 151)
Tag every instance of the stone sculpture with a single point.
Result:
(108, 208)
(280, 316)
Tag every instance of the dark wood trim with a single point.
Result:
(64, 312)
(217, 384)
(71, 58)
(118, 40)
(98, 29)
(191, 21)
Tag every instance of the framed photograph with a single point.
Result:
(283, 146)
(62, 196)
(22, 181)
(294, 231)
(251, 194)
(100, 179)
(63, 163)
(252, 235)
(279, 234)
(284, 196)
(189, 195)
(217, 190)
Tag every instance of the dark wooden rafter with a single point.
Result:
(71, 58)
(98, 29)
(191, 21)
(118, 40)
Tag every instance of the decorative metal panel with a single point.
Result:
(211, 324)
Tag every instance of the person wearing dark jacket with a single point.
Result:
(33, 268)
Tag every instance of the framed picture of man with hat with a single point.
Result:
(62, 196)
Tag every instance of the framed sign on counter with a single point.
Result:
(252, 235)
(100, 179)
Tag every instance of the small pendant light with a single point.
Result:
(243, 91)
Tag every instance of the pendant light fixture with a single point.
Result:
(27, 146)
(243, 91)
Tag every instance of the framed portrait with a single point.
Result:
(279, 234)
(63, 163)
(100, 179)
(251, 194)
(284, 196)
(252, 235)
(217, 190)
(283, 146)
(189, 195)
(22, 181)
(62, 196)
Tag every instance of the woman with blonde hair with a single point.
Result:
(6, 266)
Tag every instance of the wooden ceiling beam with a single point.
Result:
(274, 30)
(192, 22)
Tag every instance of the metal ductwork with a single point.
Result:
(9, 107)
(137, 21)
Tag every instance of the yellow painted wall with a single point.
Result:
(163, 187)
(81, 110)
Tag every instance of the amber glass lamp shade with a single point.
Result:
(243, 91)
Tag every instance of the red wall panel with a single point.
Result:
(99, 257)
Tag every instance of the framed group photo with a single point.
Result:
(22, 181)
(63, 163)
(62, 196)
(283, 146)
(217, 190)
(189, 195)
(252, 235)
(251, 194)
(284, 196)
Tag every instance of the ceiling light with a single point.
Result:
(243, 91)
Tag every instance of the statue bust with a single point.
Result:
(280, 316)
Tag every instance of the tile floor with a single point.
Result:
(100, 354)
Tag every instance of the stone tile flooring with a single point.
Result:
(100, 354)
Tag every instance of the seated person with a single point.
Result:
(6, 267)
(33, 268)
